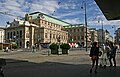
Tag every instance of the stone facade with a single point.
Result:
(2, 32)
(77, 34)
(36, 28)
(94, 35)
(117, 36)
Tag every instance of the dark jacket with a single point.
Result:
(94, 51)
(113, 51)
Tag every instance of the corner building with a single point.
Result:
(36, 28)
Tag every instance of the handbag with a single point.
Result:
(94, 57)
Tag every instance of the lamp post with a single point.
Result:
(39, 41)
(10, 44)
(101, 21)
(102, 32)
(39, 38)
(114, 27)
(85, 10)
(50, 34)
(58, 39)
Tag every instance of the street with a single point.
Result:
(76, 64)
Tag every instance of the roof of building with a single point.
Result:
(48, 18)
(110, 8)
(2, 27)
(92, 29)
(74, 25)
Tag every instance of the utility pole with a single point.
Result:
(115, 33)
(85, 8)
(102, 32)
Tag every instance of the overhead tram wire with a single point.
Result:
(5, 13)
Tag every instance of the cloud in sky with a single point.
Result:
(70, 14)
(68, 10)
(21, 7)
(73, 21)
(45, 6)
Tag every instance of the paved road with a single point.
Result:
(75, 64)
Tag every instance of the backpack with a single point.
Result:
(111, 52)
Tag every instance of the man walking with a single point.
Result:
(112, 55)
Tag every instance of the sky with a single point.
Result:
(66, 10)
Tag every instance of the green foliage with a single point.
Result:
(14, 46)
(65, 46)
(53, 46)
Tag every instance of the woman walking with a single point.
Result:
(94, 54)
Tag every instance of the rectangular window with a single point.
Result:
(74, 30)
(45, 35)
(17, 36)
(20, 33)
(11, 35)
(74, 37)
(50, 35)
(14, 33)
(82, 38)
(53, 35)
(78, 37)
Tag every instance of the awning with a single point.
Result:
(110, 8)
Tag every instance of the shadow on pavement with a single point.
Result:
(55, 69)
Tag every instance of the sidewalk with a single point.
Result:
(40, 56)
(44, 52)
(76, 56)
(75, 64)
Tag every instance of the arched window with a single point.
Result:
(14, 33)
(11, 35)
(20, 33)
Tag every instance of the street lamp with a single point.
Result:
(50, 36)
(101, 21)
(10, 44)
(114, 27)
(58, 39)
(84, 7)
(102, 32)
(39, 41)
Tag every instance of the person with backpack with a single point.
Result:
(94, 54)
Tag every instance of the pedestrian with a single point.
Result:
(105, 49)
(33, 48)
(6, 49)
(112, 55)
(94, 54)
(108, 49)
(103, 59)
(117, 48)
